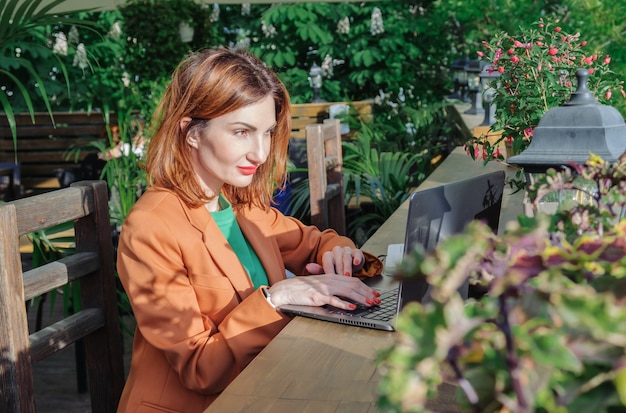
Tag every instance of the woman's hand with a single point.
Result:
(323, 289)
(341, 260)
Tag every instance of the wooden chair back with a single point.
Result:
(324, 155)
(97, 323)
(41, 148)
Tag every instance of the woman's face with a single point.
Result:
(231, 147)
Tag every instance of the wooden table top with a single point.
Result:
(317, 366)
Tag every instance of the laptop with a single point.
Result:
(433, 214)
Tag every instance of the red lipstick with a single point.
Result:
(247, 170)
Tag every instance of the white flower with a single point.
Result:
(243, 43)
(215, 14)
(268, 31)
(327, 66)
(376, 25)
(410, 128)
(116, 31)
(343, 27)
(80, 58)
(73, 37)
(60, 44)
(126, 79)
(417, 9)
(245, 9)
(381, 98)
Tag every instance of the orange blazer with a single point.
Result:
(199, 319)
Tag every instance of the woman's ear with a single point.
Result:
(184, 124)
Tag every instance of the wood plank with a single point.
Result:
(61, 334)
(58, 273)
(16, 379)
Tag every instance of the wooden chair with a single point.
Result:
(42, 147)
(97, 323)
(324, 154)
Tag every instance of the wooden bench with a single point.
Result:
(92, 265)
(304, 114)
(42, 147)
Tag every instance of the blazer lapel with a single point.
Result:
(221, 252)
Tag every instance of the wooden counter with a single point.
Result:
(317, 366)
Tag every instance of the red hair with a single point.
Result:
(207, 85)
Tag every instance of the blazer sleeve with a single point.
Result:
(206, 344)
(301, 244)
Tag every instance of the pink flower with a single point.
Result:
(608, 94)
(481, 54)
(591, 70)
(539, 44)
(583, 43)
(607, 59)
(511, 51)
(553, 51)
(501, 69)
(588, 60)
(528, 133)
(557, 29)
(515, 59)
(517, 43)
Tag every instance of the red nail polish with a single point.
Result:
(352, 306)
(369, 302)
(347, 274)
(376, 293)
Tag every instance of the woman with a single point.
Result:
(202, 255)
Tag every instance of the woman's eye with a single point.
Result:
(241, 132)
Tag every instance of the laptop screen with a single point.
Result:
(438, 212)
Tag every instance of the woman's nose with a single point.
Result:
(261, 148)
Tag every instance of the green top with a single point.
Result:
(227, 223)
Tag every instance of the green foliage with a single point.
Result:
(154, 46)
(537, 67)
(358, 62)
(24, 33)
(543, 337)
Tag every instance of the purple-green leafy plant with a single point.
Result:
(547, 335)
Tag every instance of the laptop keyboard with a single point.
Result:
(385, 311)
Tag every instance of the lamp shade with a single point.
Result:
(573, 131)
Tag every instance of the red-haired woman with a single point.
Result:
(202, 255)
